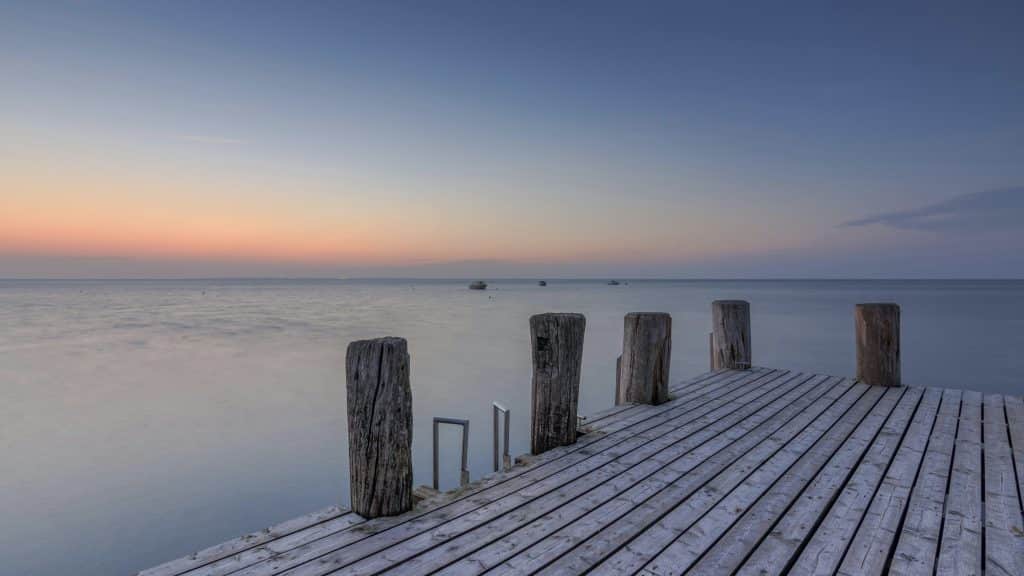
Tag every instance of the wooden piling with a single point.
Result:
(646, 353)
(557, 344)
(730, 341)
(379, 426)
(878, 343)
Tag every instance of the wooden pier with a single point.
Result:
(741, 471)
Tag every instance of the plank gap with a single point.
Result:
(949, 481)
(881, 480)
(913, 485)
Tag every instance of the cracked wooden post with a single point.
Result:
(730, 339)
(379, 426)
(878, 343)
(557, 344)
(643, 368)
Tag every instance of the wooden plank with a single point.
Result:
(506, 514)
(225, 549)
(571, 463)
(742, 538)
(679, 537)
(1015, 423)
(583, 543)
(697, 396)
(869, 550)
(848, 480)
(960, 549)
(812, 447)
(1004, 527)
(246, 558)
(629, 495)
(702, 382)
(918, 540)
(717, 381)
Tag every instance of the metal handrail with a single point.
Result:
(464, 476)
(506, 459)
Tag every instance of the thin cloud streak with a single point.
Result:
(991, 210)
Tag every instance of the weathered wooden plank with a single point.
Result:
(741, 539)
(918, 540)
(1015, 423)
(225, 549)
(840, 494)
(691, 392)
(569, 462)
(884, 493)
(433, 548)
(1004, 527)
(593, 420)
(252, 556)
(585, 542)
(818, 442)
(960, 549)
(656, 472)
(731, 380)
(869, 551)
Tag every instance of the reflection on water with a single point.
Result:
(140, 421)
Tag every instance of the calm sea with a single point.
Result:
(142, 420)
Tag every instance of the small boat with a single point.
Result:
(542, 283)
(478, 285)
(613, 282)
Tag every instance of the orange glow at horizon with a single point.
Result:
(90, 211)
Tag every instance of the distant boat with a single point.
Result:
(542, 283)
(613, 282)
(478, 285)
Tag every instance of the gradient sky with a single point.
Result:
(511, 139)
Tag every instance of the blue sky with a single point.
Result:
(384, 138)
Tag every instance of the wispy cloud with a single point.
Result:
(210, 139)
(976, 212)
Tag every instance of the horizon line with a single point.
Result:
(512, 279)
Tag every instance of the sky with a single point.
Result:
(511, 139)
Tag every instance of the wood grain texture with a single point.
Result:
(557, 343)
(960, 549)
(868, 552)
(878, 343)
(573, 519)
(919, 536)
(643, 368)
(1004, 527)
(379, 426)
(730, 340)
(243, 543)
(807, 482)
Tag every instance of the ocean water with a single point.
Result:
(143, 420)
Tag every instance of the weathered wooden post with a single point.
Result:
(878, 343)
(379, 426)
(730, 340)
(557, 343)
(646, 353)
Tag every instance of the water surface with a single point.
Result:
(142, 420)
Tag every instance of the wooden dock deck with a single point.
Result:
(758, 471)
